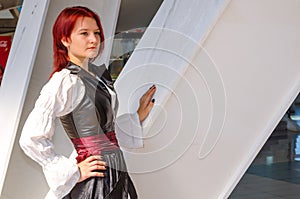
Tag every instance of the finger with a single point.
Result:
(151, 90)
(97, 162)
(153, 87)
(146, 107)
(148, 95)
(93, 157)
(147, 104)
(150, 105)
(97, 174)
(97, 167)
(152, 93)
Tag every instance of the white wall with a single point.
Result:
(28, 68)
(222, 90)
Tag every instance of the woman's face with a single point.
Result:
(84, 40)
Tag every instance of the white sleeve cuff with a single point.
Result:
(129, 131)
(61, 174)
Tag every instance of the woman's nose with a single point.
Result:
(93, 38)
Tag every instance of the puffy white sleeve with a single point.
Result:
(56, 99)
(129, 131)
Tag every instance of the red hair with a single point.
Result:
(63, 28)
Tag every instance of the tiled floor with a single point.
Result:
(275, 172)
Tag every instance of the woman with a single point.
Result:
(81, 95)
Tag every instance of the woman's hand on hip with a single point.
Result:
(146, 103)
(90, 168)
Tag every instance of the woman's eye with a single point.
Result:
(84, 33)
(97, 33)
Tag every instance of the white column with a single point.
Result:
(226, 72)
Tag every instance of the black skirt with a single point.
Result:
(116, 183)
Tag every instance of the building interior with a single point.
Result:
(274, 173)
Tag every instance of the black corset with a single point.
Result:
(94, 114)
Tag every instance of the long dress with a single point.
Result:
(90, 125)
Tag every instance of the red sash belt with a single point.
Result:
(94, 145)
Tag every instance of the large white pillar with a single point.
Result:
(226, 72)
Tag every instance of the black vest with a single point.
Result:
(94, 114)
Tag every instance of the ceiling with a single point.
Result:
(133, 14)
(136, 13)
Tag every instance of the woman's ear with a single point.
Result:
(65, 42)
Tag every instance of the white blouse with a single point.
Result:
(62, 93)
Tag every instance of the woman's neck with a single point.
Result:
(83, 64)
